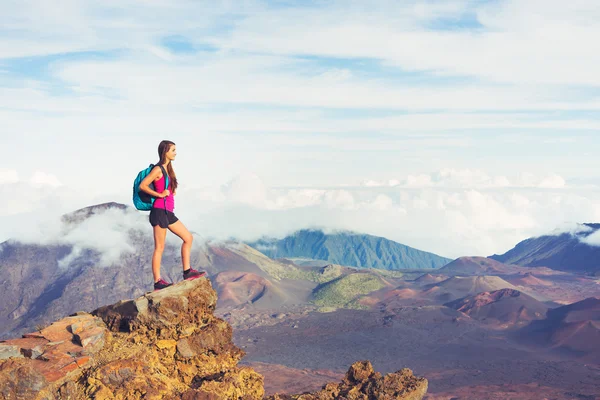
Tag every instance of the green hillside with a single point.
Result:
(343, 292)
(350, 249)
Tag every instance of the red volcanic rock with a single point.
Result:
(405, 293)
(461, 286)
(529, 279)
(574, 328)
(504, 306)
(476, 266)
(60, 348)
(236, 287)
(428, 279)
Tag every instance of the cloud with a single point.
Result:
(592, 239)
(389, 86)
(572, 228)
(8, 176)
(448, 219)
(41, 193)
(451, 212)
(471, 178)
(111, 233)
(247, 188)
(553, 182)
(41, 178)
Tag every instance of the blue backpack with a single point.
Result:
(142, 200)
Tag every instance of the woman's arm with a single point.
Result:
(151, 177)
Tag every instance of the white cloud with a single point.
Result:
(41, 178)
(592, 239)
(8, 176)
(553, 182)
(509, 48)
(248, 189)
(107, 232)
(471, 178)
(572, 228)
(448, 220)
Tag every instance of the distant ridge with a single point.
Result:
(564, 252)
(349, 249)
(82, 214)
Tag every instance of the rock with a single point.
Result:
(55, 353)
(91, 337)
(19, 379)
(182, 347)
(9, 350)
(166, 344)
(162, 345)
(132, 379)
(215, 338)
(165, 314)
(362, 383)
(240, 383)
(359, 372)
(28, 347)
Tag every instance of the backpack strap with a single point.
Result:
(166, 176)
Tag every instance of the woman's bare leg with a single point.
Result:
(180, 230)
(160, 235)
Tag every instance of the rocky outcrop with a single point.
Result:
(362, 383)
(162, 345)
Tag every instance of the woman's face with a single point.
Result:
(172, 153)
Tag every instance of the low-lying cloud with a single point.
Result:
(450, 219)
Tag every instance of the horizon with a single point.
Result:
(113, 224)
(454, 127)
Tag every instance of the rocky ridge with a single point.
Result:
(162, 345)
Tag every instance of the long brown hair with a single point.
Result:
(163, 148)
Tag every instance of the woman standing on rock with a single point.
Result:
(162, 215)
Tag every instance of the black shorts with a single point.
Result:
(161, 217)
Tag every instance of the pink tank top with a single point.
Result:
(159, 186)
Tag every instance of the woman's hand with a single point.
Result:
(165, 193)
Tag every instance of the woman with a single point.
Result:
(162, 215)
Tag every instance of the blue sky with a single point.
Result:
(318, 95)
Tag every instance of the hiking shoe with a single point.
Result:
(193, 274)
(161, 284)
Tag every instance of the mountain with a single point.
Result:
(350, 249)
(42, 282)
(528, 279)
(574, 328)
(457, 287)
(564, 252)
(476, 266)
(166, 344)
(428, 279)
(507, 307)
(346, 290)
